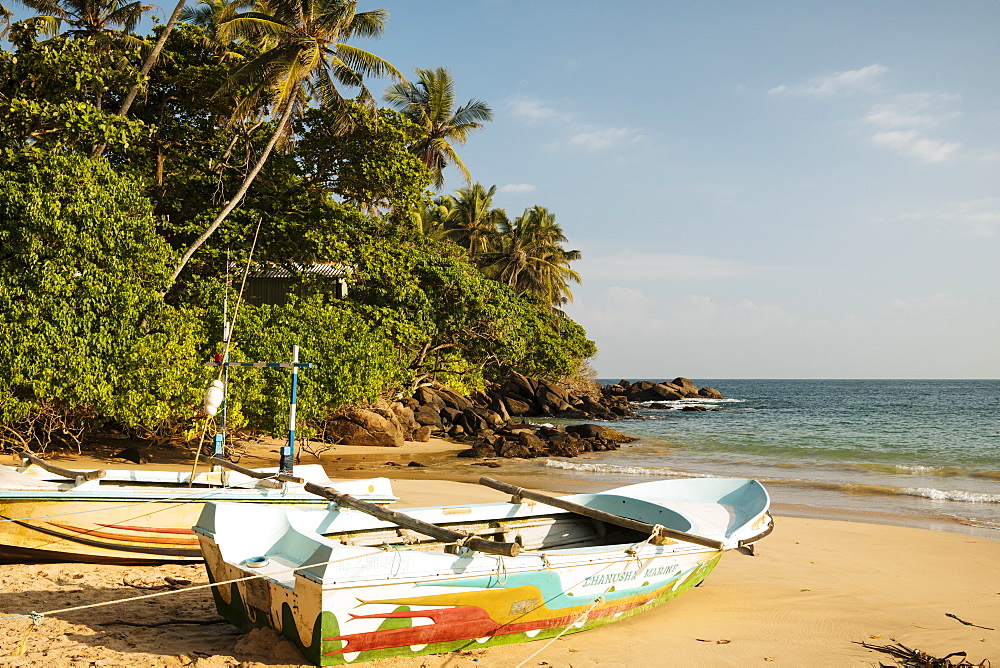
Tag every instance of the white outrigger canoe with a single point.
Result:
(139, 515)
(347, 586)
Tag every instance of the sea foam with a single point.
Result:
(583, 467)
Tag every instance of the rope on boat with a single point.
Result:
(37, 617)
(633, 551)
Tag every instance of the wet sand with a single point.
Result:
(815, 590)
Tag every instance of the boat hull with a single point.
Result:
(133, 518)
(345, 587)
(359, 624)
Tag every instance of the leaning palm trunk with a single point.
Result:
(286, 115)
(153, 56)
(147, 65)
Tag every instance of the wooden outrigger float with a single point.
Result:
(347, 586)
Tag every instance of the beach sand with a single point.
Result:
(815, 589)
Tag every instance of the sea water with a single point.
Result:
(914, 452)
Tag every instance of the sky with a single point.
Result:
(759, 190)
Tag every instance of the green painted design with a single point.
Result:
(397, 623)
(692, 579)
(326, 625)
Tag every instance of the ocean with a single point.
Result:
(911, 452)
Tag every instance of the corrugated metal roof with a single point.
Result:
(291, 269)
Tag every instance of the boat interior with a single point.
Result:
(558, 530)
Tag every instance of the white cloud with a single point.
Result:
(865, 79)
(517, 188)
(910, 142)
(534, 110)
(903, 120)
(601, 139)
(979, 218)
(914, 110)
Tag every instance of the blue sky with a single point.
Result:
(759, 190)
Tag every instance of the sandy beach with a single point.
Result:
(813, 592)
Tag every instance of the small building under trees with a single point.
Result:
(269, 283)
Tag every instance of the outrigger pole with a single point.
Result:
(287, 460)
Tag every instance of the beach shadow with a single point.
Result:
(67, 635)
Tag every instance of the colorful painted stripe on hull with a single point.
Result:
(120, 553)
(96, 533)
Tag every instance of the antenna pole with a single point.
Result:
(288, 452)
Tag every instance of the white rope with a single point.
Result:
(39, 615)
(632, 551)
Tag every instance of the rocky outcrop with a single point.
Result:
(491, 421)
(386, 423)
(644, 390)
(525, 440)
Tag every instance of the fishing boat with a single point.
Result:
(48, 513)
(356, 583)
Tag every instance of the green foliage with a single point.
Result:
(357, 351)
(87, 245)
(81, 268)
(51, 95)
(363, 156)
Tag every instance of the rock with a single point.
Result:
(524, 386)
(710, 393)
(428, 397)
(360, 426)
(517, 407)
(512, 449)
(665, 392)
(452, 398)
(694, 409)
(531, 442)
(586, 430)
(417, 464)
(450, 415)
(422, 434)
(427, 415)
(132, 454)
(688, 388)
(479, 451)
(457, 431)
(404, 416)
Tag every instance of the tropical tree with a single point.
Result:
(472, 220)
(5, 16)
(529, 257)
(430, 103)
(305, 54)
(108, 22)
(429, 219)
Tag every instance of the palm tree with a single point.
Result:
(430, 219)
(529, 257)
(211, 13)
(472, 221)
(430, 103)
(304, 54)
(107, 22)
(5, 16)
